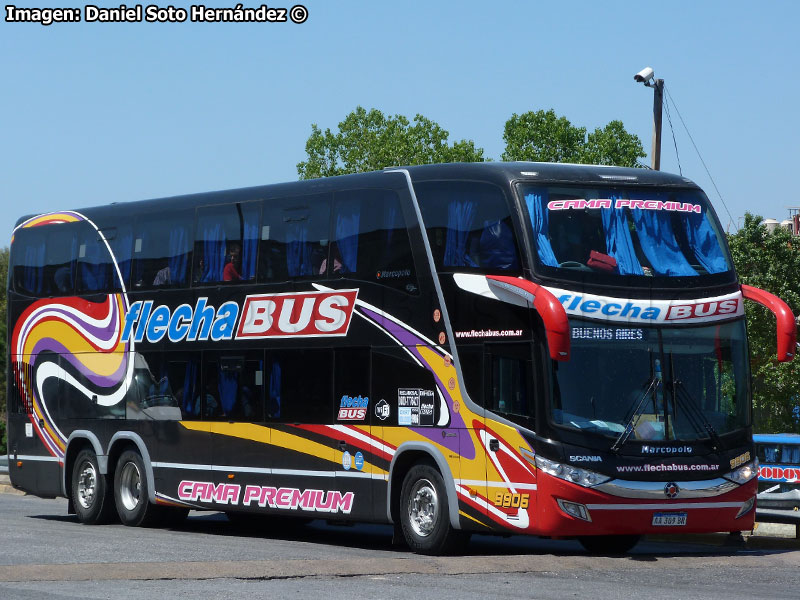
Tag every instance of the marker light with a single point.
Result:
(746, 507)
(744, 473)
(582, 477)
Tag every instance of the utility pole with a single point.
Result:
(658, 101)
(647, 77)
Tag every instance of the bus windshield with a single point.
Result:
(600, 234)
(653, 383)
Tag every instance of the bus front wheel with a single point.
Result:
(424, 513)
(91, 494)
(132, 494)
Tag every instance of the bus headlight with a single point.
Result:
(743, 474)
(582, 477)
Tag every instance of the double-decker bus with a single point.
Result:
(509, 348)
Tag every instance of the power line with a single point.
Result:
(672, 130)
(714, 183)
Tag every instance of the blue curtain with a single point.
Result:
(347, 219)
(618, 240)
(249, 250)
(228, 389)
(178, 257)
(213, 252)
(540, 222)
(460, 214)
(496, 247)
(33, 271)
(654, 228)
(191, 400)
(298, 251)
(704, 242)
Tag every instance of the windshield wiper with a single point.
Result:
(623, 437)
(694, 414)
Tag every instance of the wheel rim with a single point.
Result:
(423, 508)
(87, 484)
(130, 486)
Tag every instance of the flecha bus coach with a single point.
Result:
(500, 348)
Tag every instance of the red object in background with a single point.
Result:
(604, 262)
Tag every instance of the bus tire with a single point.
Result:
(132, 494)
(425, 515)
(609, 544)
(92, 495)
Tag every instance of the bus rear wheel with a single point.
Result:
(132, 494)
(92, 496)
(609, 544)
(424, 513)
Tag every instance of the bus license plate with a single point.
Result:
(674, 519)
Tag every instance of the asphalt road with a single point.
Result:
(44, 554)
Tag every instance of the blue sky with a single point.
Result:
(94, 113)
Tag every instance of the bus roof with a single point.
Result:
(547, 172)
(776, 438)
(497, 172)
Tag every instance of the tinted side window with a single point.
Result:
(95, 272)
(300, 386)
(370, 239)
(162, 248)
(510, 388)
(44, 260)
(120, 240)
(294, 237)
(164, 386)
(234, 387)
(469, 226)
(27, 257)
(226, 243)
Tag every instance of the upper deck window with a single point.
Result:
(226, 243)
(43, 262)
(355, 234)
(162, 247)
(617, 232)
(469, 226)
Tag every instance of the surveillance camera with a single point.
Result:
(644, 76)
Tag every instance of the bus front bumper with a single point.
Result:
(566, 509)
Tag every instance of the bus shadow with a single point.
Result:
(379, 538)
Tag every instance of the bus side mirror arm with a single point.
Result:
(555, 319)
(787, 329)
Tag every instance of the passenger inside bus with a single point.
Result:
(233, 263)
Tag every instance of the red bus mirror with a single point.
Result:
(555, 319)
(787, 329)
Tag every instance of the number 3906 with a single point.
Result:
(509, 500)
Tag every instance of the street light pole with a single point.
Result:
(658, 100)
(647, 77)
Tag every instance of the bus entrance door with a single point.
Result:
(354, 457)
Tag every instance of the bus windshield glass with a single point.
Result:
(602, 234)
(653, 383)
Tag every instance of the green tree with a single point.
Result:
(770, 261)
(543, 136)
(370, 141)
